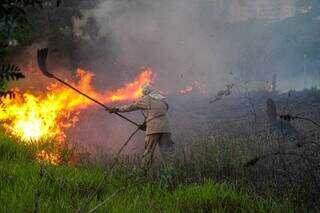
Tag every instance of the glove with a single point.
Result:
(113, 110)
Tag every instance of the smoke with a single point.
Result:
(175, 38)
(192, 40)
(182, 41)
(185, 42)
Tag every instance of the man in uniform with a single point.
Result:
(157, 123)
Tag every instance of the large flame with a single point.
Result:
(32, 118)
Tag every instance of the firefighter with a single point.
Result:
(156, 123)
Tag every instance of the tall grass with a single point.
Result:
(12, 151)
(30, 187)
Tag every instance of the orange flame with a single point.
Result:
(194, 86)
(187, 89)
(48, 157)
(33, 119)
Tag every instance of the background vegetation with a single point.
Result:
(210, 172)
(29, 187)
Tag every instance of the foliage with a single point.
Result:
(314, 4)
(13, 16)
(12, 151)
(208, 174)
(15, 20)
(10, 72)
(279, 47)
(26, 187)
(56, 24)
(7, 73)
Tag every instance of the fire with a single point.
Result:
(186, 90)
(48, 157)
(33, 119)
(199, 87)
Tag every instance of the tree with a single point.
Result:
(307, 5)
(13, 17)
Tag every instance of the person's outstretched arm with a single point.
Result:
(140, 104)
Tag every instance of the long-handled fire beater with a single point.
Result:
(42, 63)
(42, 55)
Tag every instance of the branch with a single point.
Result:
(5, 94)
(254, 161)
(289, 117)
(10, 72)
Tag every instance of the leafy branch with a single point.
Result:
(5, 94)
(9, 73)
(13, 13)
(289, 117)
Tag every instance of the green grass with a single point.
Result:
(25, 185)
(10, 150)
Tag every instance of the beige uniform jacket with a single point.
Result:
(157, 119)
